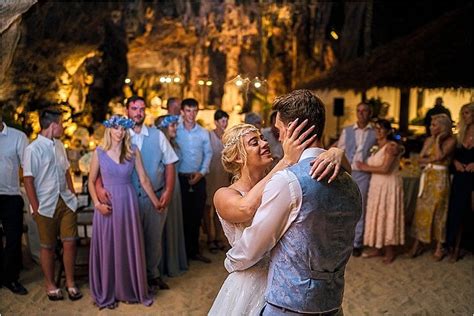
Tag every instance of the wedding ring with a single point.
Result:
(331, 164)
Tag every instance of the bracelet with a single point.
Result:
(287, 164)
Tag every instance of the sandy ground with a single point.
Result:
(406, 287)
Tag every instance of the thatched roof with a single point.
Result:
(438, 55)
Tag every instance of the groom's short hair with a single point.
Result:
(302, 104)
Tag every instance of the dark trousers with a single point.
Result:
(11, 216)
(193, 210)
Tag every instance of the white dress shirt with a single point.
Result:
(45, 160)
(137, 138)
(12, 147)
(360, 138)
(281, 203)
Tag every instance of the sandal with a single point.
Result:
(55, 295)
(213, 247)
(74, 293)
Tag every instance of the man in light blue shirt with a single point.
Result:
(195, 157)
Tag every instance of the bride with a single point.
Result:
(247, 156)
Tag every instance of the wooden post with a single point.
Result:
(404, 110)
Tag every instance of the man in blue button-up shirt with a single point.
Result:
(194, 159)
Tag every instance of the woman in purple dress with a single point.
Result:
(117, 259)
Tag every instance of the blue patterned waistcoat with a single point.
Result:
(307, 265)
(351, 143)
(152, 162)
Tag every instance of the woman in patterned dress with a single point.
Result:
(429, 222)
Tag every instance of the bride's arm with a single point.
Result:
(235, 208)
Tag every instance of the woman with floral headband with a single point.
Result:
(117, 259)
(174, 261)
(247, 157)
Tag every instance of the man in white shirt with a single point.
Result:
(12, 146)
(357, 140)
(308, 225)
(52, 200)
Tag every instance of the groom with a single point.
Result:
(308, 224)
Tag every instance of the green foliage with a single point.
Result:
(379, 108)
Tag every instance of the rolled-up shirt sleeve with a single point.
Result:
(30, 163)
(281, 202)
(169, 155)
(206, 161)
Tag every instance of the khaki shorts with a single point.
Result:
(64, 223)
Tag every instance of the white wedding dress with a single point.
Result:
(242, 291)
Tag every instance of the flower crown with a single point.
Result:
(242, 133)
(167, 120)
(116, 120)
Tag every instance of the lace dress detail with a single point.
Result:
(242, 292)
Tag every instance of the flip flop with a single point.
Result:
(74, 293)
(55, 295)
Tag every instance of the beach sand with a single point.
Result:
(417, 286)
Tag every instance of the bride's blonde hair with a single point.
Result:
(234, 148)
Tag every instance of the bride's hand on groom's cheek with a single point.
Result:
(327, 164)
(295, 141)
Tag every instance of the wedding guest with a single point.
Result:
(117, 270)
(254, 119)
(173, 106)
(174, 261)
(459, 231)
(438, 108)
(272, 134)
(52, 200)
(12, 147)
(357, 140)
(215, 179)
(195, 157)
(384, 220)
(429, 222)
(158, 159)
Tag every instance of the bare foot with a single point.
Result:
(388, 259)
(372, 253)
(416, 250)
(438, 255)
